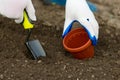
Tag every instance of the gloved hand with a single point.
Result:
(14, 9)
(78, 10)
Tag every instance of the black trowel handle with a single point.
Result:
(28, 36)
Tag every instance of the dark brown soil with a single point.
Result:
(16, 64)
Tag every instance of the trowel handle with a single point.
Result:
(28, 36)
(27, 22)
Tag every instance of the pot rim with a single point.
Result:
(83, 47)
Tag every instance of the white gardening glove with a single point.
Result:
(78, 10)
(14, 9)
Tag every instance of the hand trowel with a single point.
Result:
(33, 46)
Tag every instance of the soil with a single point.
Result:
(16, 63)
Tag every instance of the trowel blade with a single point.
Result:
(35, 48)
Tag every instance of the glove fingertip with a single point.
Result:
(94, 41)
(18, 21)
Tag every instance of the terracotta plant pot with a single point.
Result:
(78, 44)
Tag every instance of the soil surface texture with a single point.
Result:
(17, 64)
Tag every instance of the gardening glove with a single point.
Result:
(63, 2)
(78, 10)
(14, 9)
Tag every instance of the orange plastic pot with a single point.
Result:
(78, 44)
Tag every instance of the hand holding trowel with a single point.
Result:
(33, 46)
(13, 9)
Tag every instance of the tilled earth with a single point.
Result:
(16, 63)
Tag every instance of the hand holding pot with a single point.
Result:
(78, 10)
(14, 9)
